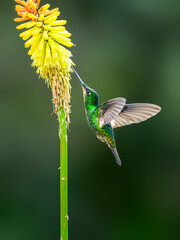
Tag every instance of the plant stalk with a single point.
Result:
(63, 175)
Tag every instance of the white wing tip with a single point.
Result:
(159, 108)
(156, 108)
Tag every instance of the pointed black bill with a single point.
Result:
(82, 83)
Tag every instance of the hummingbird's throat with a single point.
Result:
(84, 92)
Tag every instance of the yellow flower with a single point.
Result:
(46, 36)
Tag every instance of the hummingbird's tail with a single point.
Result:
(116, 155)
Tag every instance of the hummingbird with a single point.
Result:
(105, 117)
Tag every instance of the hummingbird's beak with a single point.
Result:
(81, 81)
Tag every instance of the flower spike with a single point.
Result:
(47, 38)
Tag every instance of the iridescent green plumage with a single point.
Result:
(111, 114)
(93, 115)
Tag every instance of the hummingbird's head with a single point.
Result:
(90, 95)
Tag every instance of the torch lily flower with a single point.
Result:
(48, 41)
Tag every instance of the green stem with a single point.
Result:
(63, 176)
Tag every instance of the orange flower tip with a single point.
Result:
(19, 7)
(18, 1)
(37, 4)
(25, 5)
(20, 19)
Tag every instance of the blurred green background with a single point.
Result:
(128, 48)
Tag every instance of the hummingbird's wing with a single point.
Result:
(109, 110)
(135, 113)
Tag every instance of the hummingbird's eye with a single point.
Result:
(88, 92)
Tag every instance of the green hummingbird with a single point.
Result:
(114, 113)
